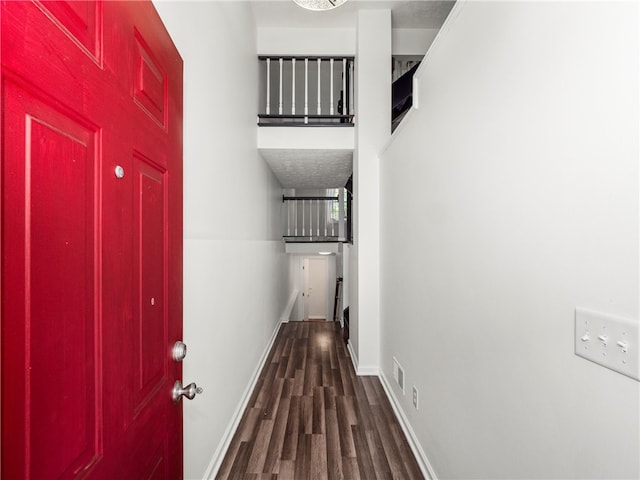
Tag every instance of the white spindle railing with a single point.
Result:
(331, 99)
(280, 91)
(332, 83)
(341, 226)
(319, 110)
(293, 86)
(268, 86)
(315, 218)
(306, 90)
(351, 88)
(344, 85)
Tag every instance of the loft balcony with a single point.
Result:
(313, 165)
(317, 218)
(300, 91)
(306, 91)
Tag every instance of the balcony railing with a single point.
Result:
(306, 91)
(316, 219)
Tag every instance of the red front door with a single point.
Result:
(91, 236)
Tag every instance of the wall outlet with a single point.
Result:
(415, 397)
(608, 340)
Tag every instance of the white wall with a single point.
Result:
(373, 127)
(234, 262)
(331, 284)
(297, 283)
(306, 138)
(306, 41)
(412, 41)
(337, 41)
(507, 199)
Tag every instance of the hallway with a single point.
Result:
(311, 417)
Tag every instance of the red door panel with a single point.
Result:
(150, 81)
(80, 20)
(91, 284)
(150, 262)
(61, 323)
(51, 164)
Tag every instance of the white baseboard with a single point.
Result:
(361, 370)
(421, 457)
(223, 446)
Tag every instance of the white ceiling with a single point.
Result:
(404, 14)
(310, 168)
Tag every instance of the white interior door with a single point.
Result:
(316, 272)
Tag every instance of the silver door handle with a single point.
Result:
(189, 391)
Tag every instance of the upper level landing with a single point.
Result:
(310, 101)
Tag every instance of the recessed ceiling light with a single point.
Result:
(319, 5)
(325, 253)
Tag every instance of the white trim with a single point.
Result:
(421, 457)
(361, 370)
(223, 446)
(286, 315)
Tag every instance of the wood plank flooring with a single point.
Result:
(311, 417)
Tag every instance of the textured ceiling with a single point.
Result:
(310, 168)
(404, 14)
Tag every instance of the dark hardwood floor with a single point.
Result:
(311, 417)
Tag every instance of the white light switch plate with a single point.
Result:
(608, 340)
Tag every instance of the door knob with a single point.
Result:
(189, 391)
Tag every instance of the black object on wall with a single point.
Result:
(402, 96)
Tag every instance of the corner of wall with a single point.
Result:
(361, 370)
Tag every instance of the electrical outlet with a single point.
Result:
(608, 340)
(415, 397)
